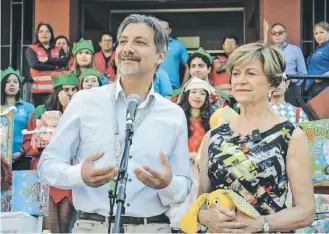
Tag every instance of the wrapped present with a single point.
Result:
(317, 133)
(322, 206)
(20, 222)
(29, 195)
(6, 132)
(318, 226)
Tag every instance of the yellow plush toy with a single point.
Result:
(221, 197)
(221, 116)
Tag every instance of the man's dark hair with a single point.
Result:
(3, 93)
(231, 37)
(165, 20)
(280, 24)
(204, 58)
(109, 34)
(52, 37)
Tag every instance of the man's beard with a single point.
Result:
(129, 70)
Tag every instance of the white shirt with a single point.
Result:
(87, 127)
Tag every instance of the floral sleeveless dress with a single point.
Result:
(255, 170)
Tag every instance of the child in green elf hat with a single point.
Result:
(65, 86)
(90, 78)
(11, 86)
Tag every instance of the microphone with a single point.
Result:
(255, 135)
(133, 102)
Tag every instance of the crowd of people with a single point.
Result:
(175, 155)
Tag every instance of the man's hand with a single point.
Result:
(95, 177)
(43, 59)
(154, 179)
(63, 98)
(221, 220)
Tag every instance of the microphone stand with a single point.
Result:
(122, 181)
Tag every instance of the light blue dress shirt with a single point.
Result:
(295, 62)
(87, 127)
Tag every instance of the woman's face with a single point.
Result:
(12, 85)
(199, 69)
(61, 42)
(321, 35)
(249, 83)
(197, 98)
(84, 57)
(44, 35)
(281, 89)
(70, 90)
(90, 82)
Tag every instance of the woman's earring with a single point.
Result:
(269, 95)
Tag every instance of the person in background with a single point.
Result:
(258, 153)
(60, 201)
(176, 55)
(218, 77)
(318, 62)
(44, 58)
(197, 107)
(62, 41)
(90, 78)
(295, 115)
(294, 59)
(162, 83)
(104, 59)
(11, 86)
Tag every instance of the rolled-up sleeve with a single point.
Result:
(54, 167)
(177, 191)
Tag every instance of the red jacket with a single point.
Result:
(105, 69)
(220, 80)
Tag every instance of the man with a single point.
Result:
(176, 55)
(92, 133)
(104, 59)
(218, 77)
(295, 63)
(162, 84)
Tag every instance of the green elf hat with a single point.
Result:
(10, 71)
(82, 44)
(64, 78)
(203, 52)
(91, 72)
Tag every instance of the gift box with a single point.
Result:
(29, 195)
(322, 206)
(6, 132)
(318, 226)
(20, 222)
(317, 133)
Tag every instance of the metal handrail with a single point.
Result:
(308, 77)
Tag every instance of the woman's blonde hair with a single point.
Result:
(76, 67)
(271, 59)
(323, 25)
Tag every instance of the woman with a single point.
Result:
(11, 86)
(60, 201)
(258, 153)
(90, 78)
(196, 105)
(62, 41)
(44, 58)
(295, 115)
(318, 62)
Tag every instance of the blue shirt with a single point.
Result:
(162, 83)
(21, 117)
(295, 63)
(176, 55)
(318, 62)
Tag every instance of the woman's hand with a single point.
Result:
(221, 220)
(43, 59)
(63, 98)
(254, 225)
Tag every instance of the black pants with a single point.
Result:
(291, 93)
(39, 98)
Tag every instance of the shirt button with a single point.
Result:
(128, 204)
(130, 180)
(130, 156)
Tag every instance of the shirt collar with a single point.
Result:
(20, 101)
(120, 93)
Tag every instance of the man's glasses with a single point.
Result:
(230, 43)
(278, 33)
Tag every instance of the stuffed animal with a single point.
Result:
(221, 197)
(45, 128)
(221, 116)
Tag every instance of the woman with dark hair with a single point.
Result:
(60, 201)
(11, 84)
(90, 78)
(63, 41)
(197, 107)
(44, 58)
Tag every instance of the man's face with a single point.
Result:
(278, 34)
(165, 24)
(136, 50)
(106, 43)
(199, 69)
(229, 45)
